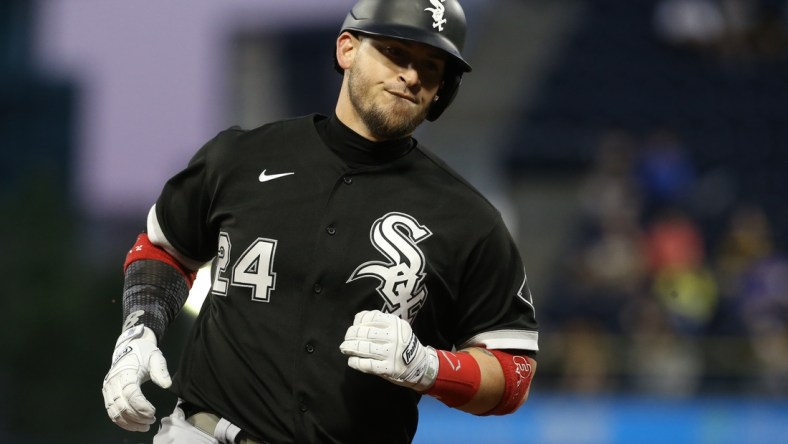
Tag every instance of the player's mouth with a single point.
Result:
(405, 96)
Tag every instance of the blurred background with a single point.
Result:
(637, 149)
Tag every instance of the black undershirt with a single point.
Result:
(356, 150)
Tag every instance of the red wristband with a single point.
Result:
(458, 378)
(144, 249)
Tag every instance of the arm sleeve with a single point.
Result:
(153, 294)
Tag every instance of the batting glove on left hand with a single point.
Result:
(383, 344)
(136, 360)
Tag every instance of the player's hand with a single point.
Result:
(383, 344)
(136, 359)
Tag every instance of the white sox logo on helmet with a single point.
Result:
(395, 235)
(437, 14)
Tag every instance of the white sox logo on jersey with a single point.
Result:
(395, 235)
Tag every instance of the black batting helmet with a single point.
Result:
(437, 23)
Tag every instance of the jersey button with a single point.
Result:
(348, 180)
(331, 230)
(310, 348)
(317, 288)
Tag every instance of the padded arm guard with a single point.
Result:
(153, 294)
(517, 374)
(155, 287)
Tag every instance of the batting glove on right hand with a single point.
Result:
(136, 360)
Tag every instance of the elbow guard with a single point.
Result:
(517, 373)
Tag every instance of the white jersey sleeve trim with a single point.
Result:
(505, 339)
(157, 237)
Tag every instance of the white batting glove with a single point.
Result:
(136, 360)
(383, 344)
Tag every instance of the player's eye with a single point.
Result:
(395, 53)
(431, 68)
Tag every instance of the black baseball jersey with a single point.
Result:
(307, 224)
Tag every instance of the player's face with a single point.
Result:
(392, 84)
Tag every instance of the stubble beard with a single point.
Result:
(387, 124)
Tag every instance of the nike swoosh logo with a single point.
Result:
(265, 178)
(457, 367)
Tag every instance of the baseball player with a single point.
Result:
(352, 271)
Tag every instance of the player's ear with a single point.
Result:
(347, 46)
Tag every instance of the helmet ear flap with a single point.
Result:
(446, 95)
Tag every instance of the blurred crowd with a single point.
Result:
(734, 30)
(655, 296)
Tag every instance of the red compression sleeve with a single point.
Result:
(517, 376)
(458, 378)
(144, 249)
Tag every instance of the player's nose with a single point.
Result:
(409, 75)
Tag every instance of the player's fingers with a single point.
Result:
(135, 427)
(370, 366)
(381, 367)
(365, 349)
(112, 409)
(352, 362)
(351, 348)
(118, 412)
(378, 316)
(360, 332)
(108, 397)
(359, 318)
(360, 364)
(351, 333)
(130, 424)
(369, 332)
(114, 403)
(348, 347)
(373, 317)
(114, 399)
(378, 333)
(124, 410)
(141, 411)
(159, 373)
(125, 404)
